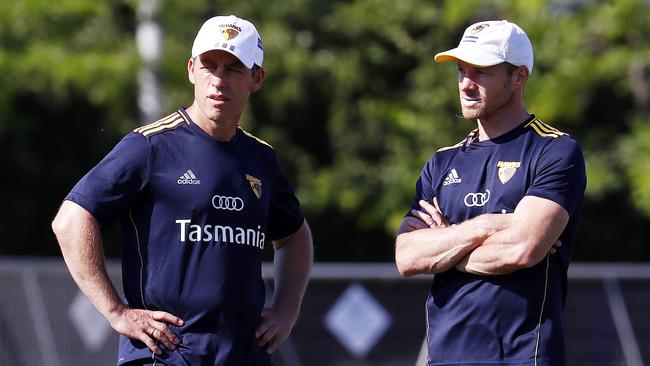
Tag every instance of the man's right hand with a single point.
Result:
(79, 236)
(149, 327)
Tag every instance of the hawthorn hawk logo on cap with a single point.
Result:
(256, 185)
(478, 28)
(229, 31)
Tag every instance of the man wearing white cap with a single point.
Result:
(197, 199)
(495, 216)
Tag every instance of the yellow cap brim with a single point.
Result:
(470, 55)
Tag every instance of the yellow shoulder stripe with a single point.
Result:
(157, 123)
(451, 147)
(544, 129)
(470, 136)
(256, 138)
(168, 122)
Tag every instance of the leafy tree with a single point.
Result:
(67, 94)
(357, 105)
(353, 102)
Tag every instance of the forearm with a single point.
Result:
(431, 250)
(499, 254)
(438, 249)
(505, 252)
(79, 237)
(292, 265)
(537, 225)
(88, 270)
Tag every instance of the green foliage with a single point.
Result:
(635, 151)
(67, 94)
(353, 102)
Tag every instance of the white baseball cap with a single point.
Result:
(490, 43)
(231, 34)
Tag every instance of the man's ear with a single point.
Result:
(520, 75)
(190, 70)
(258, 80)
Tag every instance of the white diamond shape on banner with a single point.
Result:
(357, 320)
(93, 329)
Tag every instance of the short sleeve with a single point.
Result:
(560, 174)
(423, 187)
(285, 214)
(113, 184)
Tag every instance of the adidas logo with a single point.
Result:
(188, 178)
(452, 178)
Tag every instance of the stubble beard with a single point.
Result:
(471, 113)
(483, 111)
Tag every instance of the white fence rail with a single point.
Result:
(45, 321)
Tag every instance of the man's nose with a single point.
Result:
(465, 82)
(217, 80)
(218, 77)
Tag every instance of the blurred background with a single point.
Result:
(354, 105)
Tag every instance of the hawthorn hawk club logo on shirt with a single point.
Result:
(507, 169)
(256, 185)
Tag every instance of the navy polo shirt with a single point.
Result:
(513, 319)
(195, 215)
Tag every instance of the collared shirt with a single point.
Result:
(195, 216)
(517, 318)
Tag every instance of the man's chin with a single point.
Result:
(214, 114)
(470, 114)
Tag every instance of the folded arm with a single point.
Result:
(435, 248)
(536, 226)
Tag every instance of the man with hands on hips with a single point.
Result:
(490, 212)
(197, 199)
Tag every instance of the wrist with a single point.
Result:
(115, 311)
(290, 310)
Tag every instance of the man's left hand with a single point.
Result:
(274, 328)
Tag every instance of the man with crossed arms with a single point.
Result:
(490, 213)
